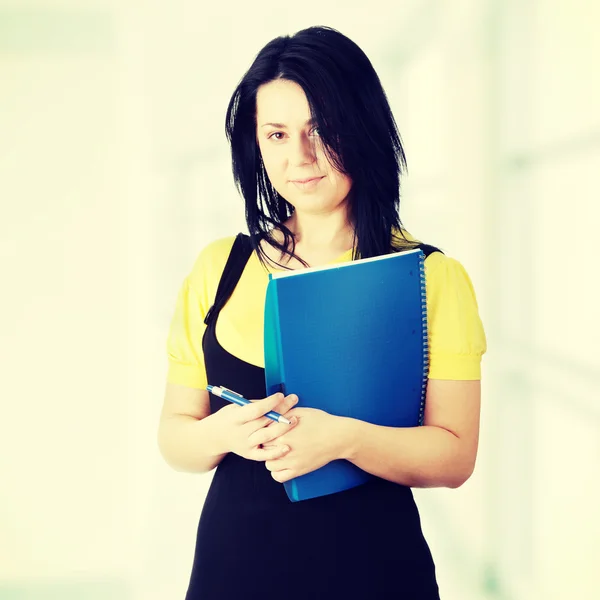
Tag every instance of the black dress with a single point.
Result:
(254, 543)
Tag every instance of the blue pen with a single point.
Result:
(236, 398)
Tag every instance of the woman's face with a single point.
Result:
(291, 150)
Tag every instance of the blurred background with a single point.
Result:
(115, 172)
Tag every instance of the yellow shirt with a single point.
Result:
(456, 336)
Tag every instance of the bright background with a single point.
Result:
(115, 172)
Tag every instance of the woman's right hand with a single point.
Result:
(244, 429)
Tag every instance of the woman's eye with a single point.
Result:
(314, 132)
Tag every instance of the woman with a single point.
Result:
(317, 158)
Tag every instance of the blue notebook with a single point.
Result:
(350, 339)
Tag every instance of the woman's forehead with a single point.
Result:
(282, 103)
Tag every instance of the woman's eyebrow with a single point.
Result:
(282, 126)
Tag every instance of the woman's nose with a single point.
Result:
(302, 150)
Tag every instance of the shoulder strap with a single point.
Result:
(236, 261)
(427, 249)
(238, 257)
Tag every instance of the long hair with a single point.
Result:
(356, 126)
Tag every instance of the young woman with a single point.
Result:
(317, 158)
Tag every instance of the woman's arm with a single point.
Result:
(191, 439)
(185, 436)
(441, 453)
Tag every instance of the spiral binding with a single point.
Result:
(425, 337)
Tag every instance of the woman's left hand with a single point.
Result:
(316, 440)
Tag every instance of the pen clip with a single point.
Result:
(230, 391)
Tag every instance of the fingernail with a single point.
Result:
(285, 449)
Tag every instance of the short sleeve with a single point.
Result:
(184, 341)
(456, 336)
(195, 297)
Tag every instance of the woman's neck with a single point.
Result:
(317, 241)
(317, 234)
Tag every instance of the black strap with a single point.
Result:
(238, 257)
(427, 249)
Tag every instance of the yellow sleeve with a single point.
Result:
(195, 297)
(456, 336)
(184, 342)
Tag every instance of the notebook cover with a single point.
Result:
(350, 339)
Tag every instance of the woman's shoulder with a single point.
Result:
(451, 296)
(441, 270)
(438, 263)
(404, 240)
(210, 261)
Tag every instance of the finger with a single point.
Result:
(262, 423)
(282, 476)
(258, 408)
(276, 464)
(282, 408)
(288, 403)
(251, 427)
(271, 453)
(264, 435)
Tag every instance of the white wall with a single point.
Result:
(63, 424)
(115, 172)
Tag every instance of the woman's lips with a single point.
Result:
(304, 180)
(307, 184)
